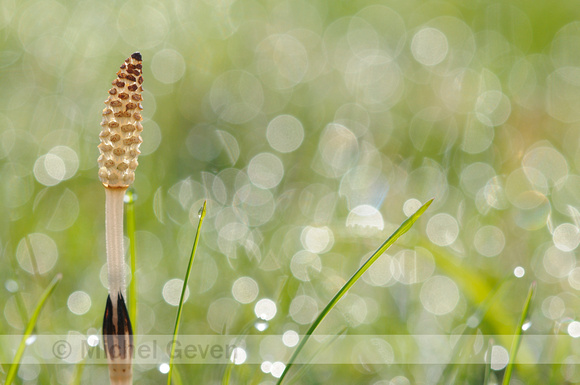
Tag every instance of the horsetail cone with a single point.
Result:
(120, 136)
(119, 147)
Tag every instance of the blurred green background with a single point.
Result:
(313, 128)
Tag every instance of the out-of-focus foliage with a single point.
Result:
(313, 128)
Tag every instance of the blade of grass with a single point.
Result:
(130, 200)
(307, 366)
(183, 289)
(79, 369)
(518, 337)
(243, 334)
(177, 377)
(487, 372)
(29, 328)
(227, 374)
(405, 226)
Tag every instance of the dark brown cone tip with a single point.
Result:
(137, 56)
(118, 339)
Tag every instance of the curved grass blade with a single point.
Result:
(405, 226)
(518, 337)
(227, 374)
(79, 369)
(324, 347)
(183, 289)
(487, 372)
(29, 328)
(130, 200)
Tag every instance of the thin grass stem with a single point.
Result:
(487, 372)
(403, 228)
(518, 337)
(29, 328)
(79, 369)
(183, 289)
(130, 203)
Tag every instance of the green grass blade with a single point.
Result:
(181, 299)
(518, 337)
(487, 372)
(405, 226)
(29, 328)
(177, 377)
(227, 374)
(324, 347)
(79, 369)
(130, 199)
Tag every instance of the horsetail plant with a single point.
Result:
(119, 148)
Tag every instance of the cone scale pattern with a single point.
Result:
(121, 126)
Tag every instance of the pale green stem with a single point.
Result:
(114, 236)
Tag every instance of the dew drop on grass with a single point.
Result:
(261, 325)
(519, 272)
(164, 368)
(130, 196)
(526, 325)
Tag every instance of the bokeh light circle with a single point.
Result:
(429, 46)
(172, 291)
(79, 302)
(265, 170)
(245, 290)
(439, 295)
(168, 66)
(442, 229)
(285, 133)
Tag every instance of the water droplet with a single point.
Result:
(519, 272)
(526, 325)
(261, 325)
(164, 368)
(30, 340)
(130, 196)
